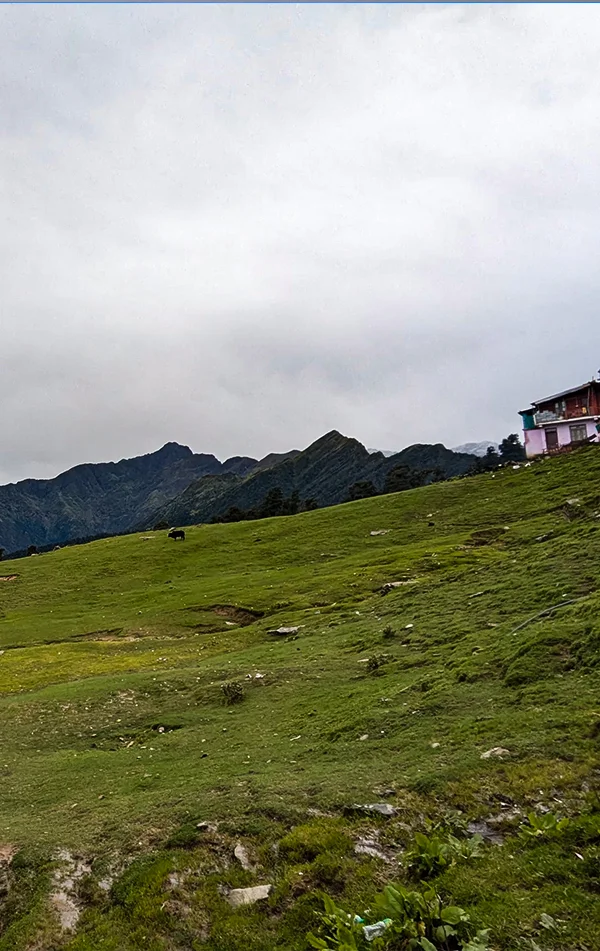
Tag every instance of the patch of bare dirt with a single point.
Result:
(63, 897)
(232, 612)
(7, 852)
(108, 634)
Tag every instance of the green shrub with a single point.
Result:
(306, 842)
(433, 854)
(545, 826)
(376, 662)
(407, 921)
(233, 691)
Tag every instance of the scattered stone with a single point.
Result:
(242, 857)
(377, 808)
(477, 594)
(434, 746)
(65, 880)
(248, 896)
(178, 909)
(380, 531)
(365, 736)
(206, 826)
(175, 880)
(495, 751)
(284, 631)
(370, 847)
(407, 627)
(545, 537)
(390, 585)
(259, 676)
(573, 509)
(503, 818)
(482, 828)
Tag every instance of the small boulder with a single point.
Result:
(248, 896)
(242, 857)
(284, 631)
(370, 847)
(482, 828)
(376, 808)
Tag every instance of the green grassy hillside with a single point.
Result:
(116, 740)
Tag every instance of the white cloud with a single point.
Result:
(241, 226)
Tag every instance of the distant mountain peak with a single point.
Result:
(173, 450)
(476, 448)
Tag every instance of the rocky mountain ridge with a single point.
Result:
(324, 473)
(181, 487)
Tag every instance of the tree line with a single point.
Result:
(401, 478)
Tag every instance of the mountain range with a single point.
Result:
(180, 487)
(476, 448)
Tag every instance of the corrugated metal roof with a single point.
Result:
(558, 396)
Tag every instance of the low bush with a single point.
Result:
(407, 921)
(433, 854)
(233, 692)
(376, 662)
(306, 842)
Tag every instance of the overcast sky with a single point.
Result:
(239, 227)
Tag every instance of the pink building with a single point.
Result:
(565, 419)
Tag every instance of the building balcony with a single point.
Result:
(547, 416)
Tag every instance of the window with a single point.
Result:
(551, 439)
(578, 432)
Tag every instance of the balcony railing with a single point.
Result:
(548, 416)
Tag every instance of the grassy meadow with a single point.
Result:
(116, 740)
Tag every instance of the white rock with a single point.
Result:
(242, 856)
(495, 751)
(247, 896)
(381, 808)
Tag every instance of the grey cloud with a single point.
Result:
(240, 226)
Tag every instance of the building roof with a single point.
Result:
(558, 396)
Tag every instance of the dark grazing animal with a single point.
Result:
(177, 533)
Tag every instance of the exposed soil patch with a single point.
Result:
(63, 898)
(7, 851)
(108, 634)
(8, 577)
(485, 536)
(241, 616)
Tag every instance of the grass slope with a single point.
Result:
(116, 742)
